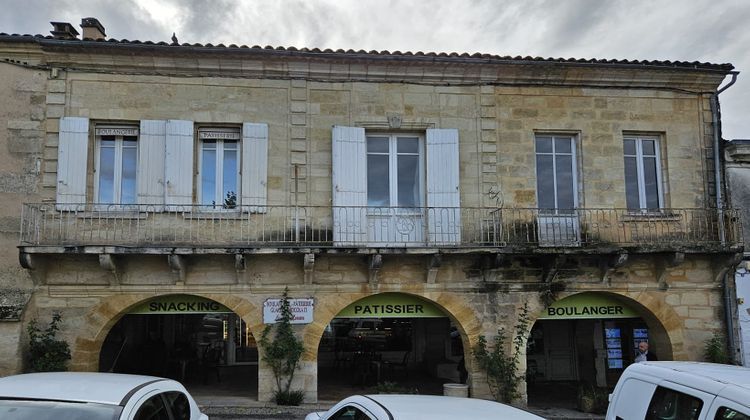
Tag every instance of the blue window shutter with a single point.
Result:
(443, 197)
(349, 175)
(72, 159)
(254, 167)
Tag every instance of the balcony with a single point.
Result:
(58, 228)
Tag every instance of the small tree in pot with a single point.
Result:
(282, 354)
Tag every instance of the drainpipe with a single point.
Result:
(720, 208)
(717, 154)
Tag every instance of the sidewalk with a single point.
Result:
(220, 407)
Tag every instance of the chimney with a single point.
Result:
(92, 29)
(63, 30)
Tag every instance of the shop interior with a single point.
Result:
(564, 355)
(409, 355)
(207, 352)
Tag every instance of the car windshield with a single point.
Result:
(56, 410)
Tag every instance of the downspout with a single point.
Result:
(731, 346)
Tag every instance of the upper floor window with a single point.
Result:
(116, 165)
(394, 171)
(556, 178)
(642, 173)
(219, 168)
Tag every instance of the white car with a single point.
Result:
(405, 407)
(94, 396)
(681, 390)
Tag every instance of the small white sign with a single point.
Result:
(302, 310)
(114, 131)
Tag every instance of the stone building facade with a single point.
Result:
(473, 183)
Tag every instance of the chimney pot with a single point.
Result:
(92, 29)
(63, 30)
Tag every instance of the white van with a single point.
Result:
(681, 391)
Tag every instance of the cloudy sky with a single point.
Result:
(716, 31)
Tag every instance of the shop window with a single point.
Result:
(670, 404)
(116, 162)
(219, 169)
(642, 174)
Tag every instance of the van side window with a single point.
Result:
(725, 413)
(668, 404)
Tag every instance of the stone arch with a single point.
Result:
(658, 315)
(102, 317)
(453, 305)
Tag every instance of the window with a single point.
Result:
(350, 413)
(725, 413)
(179, 405)
(673, 405)
(219, 168)
(556, 179)
(153, 409)
(116, 165)
(642, 173)
(394, 171)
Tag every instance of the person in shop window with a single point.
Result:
(644, 354)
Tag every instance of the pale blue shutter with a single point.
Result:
(254, 167)
(151, 157)
(349, 175)
(178, 165)
(443, 198)
(72, 157)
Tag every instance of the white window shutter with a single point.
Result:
(72, 157)
(443, 198)
(151, 153)
(178, 165)
(254, 167)
(349, 174)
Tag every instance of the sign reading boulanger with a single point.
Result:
(588, 306)
(391, 305)
(179, 304)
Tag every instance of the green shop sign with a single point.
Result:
(588, 306)
(179, 304)
(391, 305)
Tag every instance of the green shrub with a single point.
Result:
(716, 350)
(294, 397)
(282, 354)
(46, 352)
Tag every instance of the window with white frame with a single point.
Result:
(395, 170)
(642, 173)
(556, 177)
(219, 168)
(116, 164)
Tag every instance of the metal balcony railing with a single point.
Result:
(53, 224)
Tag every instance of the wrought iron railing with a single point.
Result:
(310, 226)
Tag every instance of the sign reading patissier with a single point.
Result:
(302, 310)
(588, 306)
(391, 305)
(179, 304)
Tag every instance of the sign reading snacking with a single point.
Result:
(179, 304)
